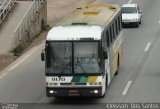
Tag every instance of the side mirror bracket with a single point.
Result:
(105, 55)
(42, 55)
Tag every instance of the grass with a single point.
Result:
(46, 28)
(19, 49)
(37, 35)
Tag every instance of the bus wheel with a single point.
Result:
(106, 80)
(117, 66)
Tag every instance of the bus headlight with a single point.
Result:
(95, 91)
(51, 91)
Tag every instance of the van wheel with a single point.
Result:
(118, 61)
(140, 21)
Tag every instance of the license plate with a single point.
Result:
(126, 22)
(74, 94)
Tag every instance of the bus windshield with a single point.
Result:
(72, 57)
(86, 59)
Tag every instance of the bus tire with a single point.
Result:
(118, 61)
(106, 80)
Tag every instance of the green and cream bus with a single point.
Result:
(83, 52)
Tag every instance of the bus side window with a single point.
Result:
(110, 34)
(104, 39)
(113, 32)
(116, 26)
(107, 38)
(119, 23)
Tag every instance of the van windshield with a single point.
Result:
(129, 10)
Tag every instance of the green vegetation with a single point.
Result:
(19, 49)
(38, 34)
(47, 28)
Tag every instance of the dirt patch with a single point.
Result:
(37, 41)
(56, 10)
(5, 60)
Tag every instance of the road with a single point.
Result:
(138, 80)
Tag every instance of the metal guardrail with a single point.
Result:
(26, 21)
(5, 7)
(1, 1)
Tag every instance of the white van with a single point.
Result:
(131, 14)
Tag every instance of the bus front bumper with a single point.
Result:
(74, 92)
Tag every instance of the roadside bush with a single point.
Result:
(16, 51)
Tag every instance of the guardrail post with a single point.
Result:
(5, 8)
(25, 23)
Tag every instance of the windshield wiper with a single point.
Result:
(68, 64)
(63, 69)
(78, 62)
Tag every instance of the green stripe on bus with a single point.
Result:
(83, 79)
(76, 79)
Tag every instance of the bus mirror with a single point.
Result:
(42, 56)
(105, 55)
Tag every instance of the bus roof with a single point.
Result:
(91, 14)
(87, 21)
(74, 33)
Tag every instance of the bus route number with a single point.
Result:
(58, 79)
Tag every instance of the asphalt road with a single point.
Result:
(138, 79)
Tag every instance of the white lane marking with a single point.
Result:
(159, 22)
(130, 1)
(147, 47)
(127, 87)
(25, 57)
(18, 63)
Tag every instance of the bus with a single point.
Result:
(83, 52)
